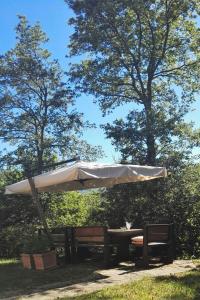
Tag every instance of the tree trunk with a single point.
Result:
(40, 161)
(150, 138)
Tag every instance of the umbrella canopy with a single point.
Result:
(85, 175)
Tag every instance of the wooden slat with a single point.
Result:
(90, 239)
(89, 231)
(58, 237)
(158, 233)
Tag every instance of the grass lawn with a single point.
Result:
(185, 286)
(14, 280)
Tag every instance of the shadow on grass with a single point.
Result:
(16, 281)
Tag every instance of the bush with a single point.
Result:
(73, 209)
(12, 240)
(36, 244)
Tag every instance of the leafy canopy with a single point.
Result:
(140, 52)
(36, 105)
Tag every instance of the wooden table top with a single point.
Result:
(125, 232)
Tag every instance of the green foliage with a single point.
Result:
(175, 139)
(140, 52)
(145, 53)
(13, 239)
(18, 217)
(19, 220)
(36, 244)
(39, 121)
(73, 209)
(37, 115)
(15, 209)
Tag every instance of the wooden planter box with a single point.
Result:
(27, 261)
(45, 261)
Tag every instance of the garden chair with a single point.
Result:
(157, 237)
(93, 237)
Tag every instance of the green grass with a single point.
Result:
(8, 261)
(14, 280)
(185, 286)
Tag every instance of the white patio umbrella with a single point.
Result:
(85, 175)
(82, 175)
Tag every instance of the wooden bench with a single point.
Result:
(93, 236)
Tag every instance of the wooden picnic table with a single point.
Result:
(122, 237)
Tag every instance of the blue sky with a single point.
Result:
(53, 16)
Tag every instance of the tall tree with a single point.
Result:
(36, 106)
(140, 52)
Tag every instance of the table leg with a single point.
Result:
(123, 249)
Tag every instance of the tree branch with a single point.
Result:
(167, 72)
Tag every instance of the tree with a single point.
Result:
(141, 52)
(145, 54)
(36, 117)
(36, 108)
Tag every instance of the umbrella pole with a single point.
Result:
(36, 201)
